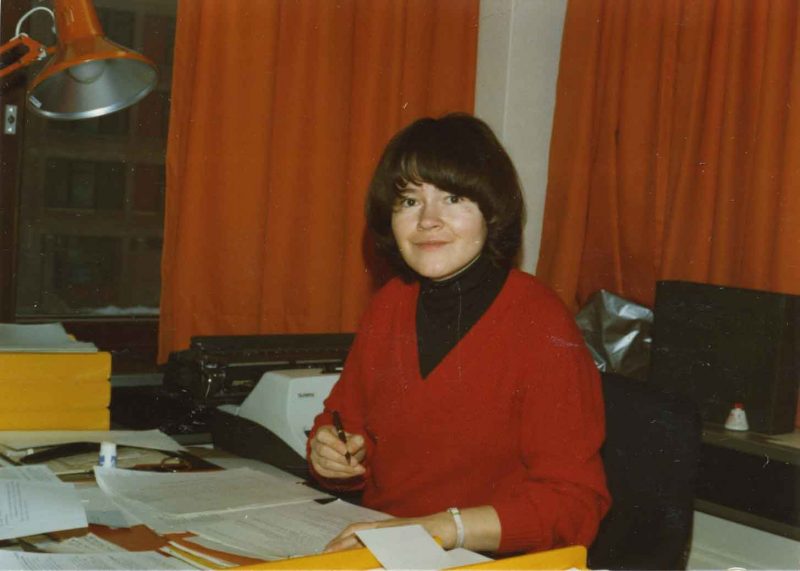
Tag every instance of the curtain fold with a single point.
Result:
(280, 110)
(675, 148)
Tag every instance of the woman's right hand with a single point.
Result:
(328, 454)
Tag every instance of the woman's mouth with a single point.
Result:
(430, 244)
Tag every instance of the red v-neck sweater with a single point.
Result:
(511, 417)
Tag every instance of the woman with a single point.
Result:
(470, 403)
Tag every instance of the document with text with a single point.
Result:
(34, 473)
(31, 507)
(151, 560)
(284, 531)
(187, 494)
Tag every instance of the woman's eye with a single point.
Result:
(406, 202)
(454, 198)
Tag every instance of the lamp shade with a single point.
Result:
(88, 75)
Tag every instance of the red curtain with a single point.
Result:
(280, 110)
(676, 148)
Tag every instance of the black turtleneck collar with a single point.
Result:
(447, 309)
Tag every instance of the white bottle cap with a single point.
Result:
(108, 455)
(737, 419)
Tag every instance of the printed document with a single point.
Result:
(89, 543)
(33, 473)
(30, 507)
(187, 494)
(284, 531)
(151, 560)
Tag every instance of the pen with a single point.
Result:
(337, 423)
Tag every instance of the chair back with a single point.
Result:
(651, 456)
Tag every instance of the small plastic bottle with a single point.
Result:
(108, 455)
(737, 419)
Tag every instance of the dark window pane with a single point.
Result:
(114, 123)
(81, 185)
(118, 25)
(154, 115)
(148, 188)
(159, 32)
(110, 186)
(81, 273)
(56, 183)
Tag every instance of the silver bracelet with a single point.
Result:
(456, 513)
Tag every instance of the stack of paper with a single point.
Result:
(49, 381)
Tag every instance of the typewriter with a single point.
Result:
(219, 370)
(218, 373)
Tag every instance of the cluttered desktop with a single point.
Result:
(82, 491)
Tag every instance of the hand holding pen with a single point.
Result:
(337, 423)
(333, 451)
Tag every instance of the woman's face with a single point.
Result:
(438, 233)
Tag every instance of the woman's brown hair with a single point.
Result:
(456, 153)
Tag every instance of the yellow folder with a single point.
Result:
(564, 558)
(65, 419)
(54, 395)
(48, 367)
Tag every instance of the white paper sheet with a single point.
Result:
(28, 508)
(34, 473)
(229, 463)
(101, 510)
(89, 543)
(160, 523)
(286, 531)
(186, 494)
(411, 547)
(151, 560)
(24, 439)
(40, 338)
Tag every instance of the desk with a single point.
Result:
(140, 538)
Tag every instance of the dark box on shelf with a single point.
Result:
(722, 345)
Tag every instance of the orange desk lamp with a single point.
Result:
(88, 75)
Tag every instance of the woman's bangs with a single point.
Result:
(440, 169)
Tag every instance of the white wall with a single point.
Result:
(519, 43)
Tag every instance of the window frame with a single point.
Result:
(132, 340)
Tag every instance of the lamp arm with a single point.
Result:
(20, 52)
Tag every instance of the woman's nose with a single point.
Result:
(429, 216)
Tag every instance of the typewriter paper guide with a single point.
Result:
(286, 403)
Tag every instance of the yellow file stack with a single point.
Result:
(55, 391)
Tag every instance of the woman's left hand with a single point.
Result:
(439, 525)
